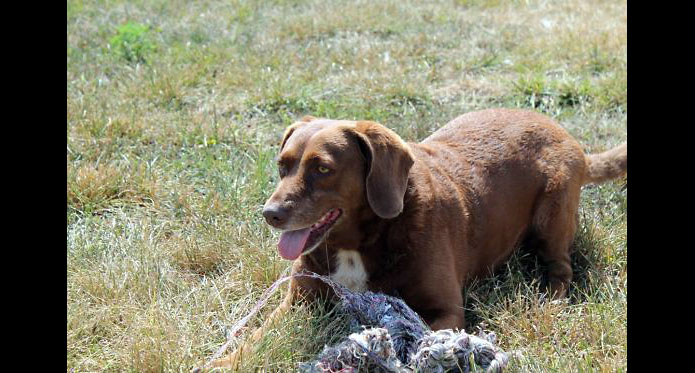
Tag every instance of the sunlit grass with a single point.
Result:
(170, 158)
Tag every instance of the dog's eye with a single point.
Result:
(324, 170)
(282, 170)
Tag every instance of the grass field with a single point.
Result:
(174, 113)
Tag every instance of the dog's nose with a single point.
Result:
(275, 215)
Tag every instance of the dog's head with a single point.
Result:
(330, 171)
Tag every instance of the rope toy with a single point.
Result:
(390, 337)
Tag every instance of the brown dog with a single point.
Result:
(421, 220)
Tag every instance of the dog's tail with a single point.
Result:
(607, 165)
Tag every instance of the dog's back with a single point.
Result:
(517, 172)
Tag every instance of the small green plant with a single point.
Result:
(131, 42)
(167, 169)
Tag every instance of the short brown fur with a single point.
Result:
(427, 218)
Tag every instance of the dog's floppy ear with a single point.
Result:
(288, 132)
(388, 163)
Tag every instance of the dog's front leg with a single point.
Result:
(233, 360)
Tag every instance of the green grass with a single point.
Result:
(170, 157)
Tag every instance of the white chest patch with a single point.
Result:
(350, 271)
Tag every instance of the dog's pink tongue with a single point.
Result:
(292, 242)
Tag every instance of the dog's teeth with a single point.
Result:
(325, 219)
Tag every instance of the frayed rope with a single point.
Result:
(393, 338)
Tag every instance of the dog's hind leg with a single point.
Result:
(555, 223)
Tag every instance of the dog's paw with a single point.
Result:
(199, 369)
(556, 302)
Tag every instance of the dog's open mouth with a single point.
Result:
(293, 243)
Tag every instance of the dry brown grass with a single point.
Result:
(170, 161)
